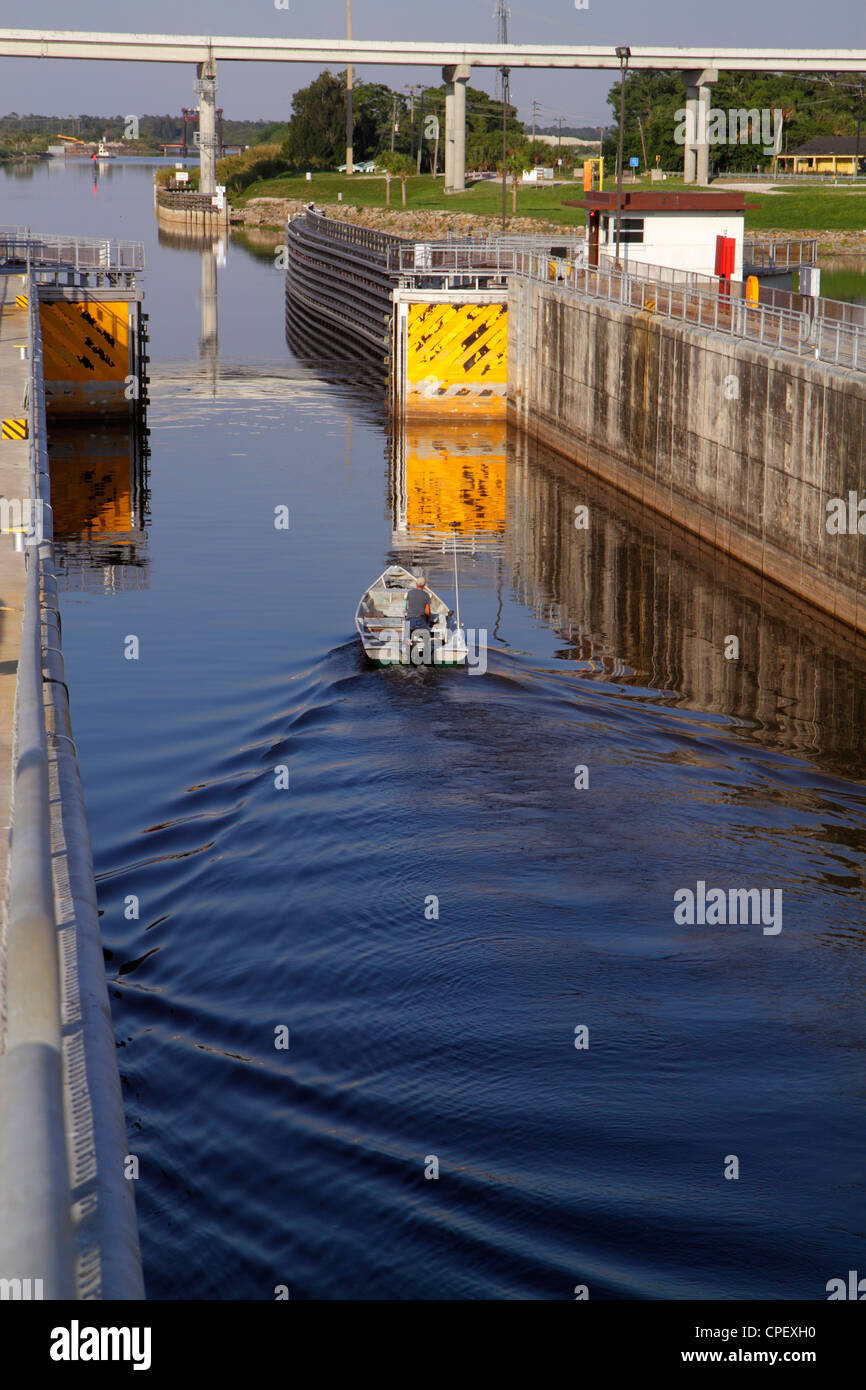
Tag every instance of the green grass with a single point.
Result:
(422, 192)
(807, 209)
(797, 210)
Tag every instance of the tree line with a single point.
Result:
(811, 105)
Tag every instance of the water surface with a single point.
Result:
(432, 907)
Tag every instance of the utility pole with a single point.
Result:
(560, 121)
(642, 142)
(421, 129)
(350, 168)
(535, 106)
(623, 53)
(393, 119)
(504, 143)
(411, 91)
(501, 14)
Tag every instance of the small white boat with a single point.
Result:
(383, 626)
(103, 152)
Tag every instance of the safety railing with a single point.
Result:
(688, 303)
(36, 1240)
(351, 233)
(74, 253)
(794, 330)
(843, 344)
(781, 176)
(816, 306)
(61, 1111)
(569, 241)
(779, 254)
(184, 200)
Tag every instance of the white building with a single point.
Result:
(678, 230)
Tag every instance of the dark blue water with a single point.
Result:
(432, 907)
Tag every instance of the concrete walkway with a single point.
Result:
(14, 483)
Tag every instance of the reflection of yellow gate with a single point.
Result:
(454, 478)
(91, 481)
(452, 356)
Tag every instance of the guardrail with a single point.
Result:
(352, 234)
(62, 1128)
(730, 176)
(777, 255)
(792, 330)
(74, 253)
(477, 261)
(36, 1239)
(181, 200)
(568, 240)
(816, 306)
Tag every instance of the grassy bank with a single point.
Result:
(806, 210)
(422, 193)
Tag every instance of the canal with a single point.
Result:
(460, 912)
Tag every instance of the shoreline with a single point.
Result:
(270, 214)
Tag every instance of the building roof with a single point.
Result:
(832, 144)
(632, 201)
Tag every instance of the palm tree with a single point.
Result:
(396, 163)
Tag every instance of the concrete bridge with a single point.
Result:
(699, 66)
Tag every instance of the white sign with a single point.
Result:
(181, 176)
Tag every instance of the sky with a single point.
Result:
(264, 90)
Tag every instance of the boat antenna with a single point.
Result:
(456, 585)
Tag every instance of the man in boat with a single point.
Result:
(418, 605)
(418, 613)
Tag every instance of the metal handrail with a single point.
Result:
(793, 330)
(378, 242)
(36, 1240)
(59, 1066)
(688, 303)
(76, 253)
(817, 306)
(772, 254)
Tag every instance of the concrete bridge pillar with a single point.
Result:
(455, 79)
(699, 91)
(206, 86)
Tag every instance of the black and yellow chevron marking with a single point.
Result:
(15, 429)
(21, 301)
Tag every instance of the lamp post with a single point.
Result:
(623, 53)
(349, 118)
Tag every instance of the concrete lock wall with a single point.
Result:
(742, 446)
